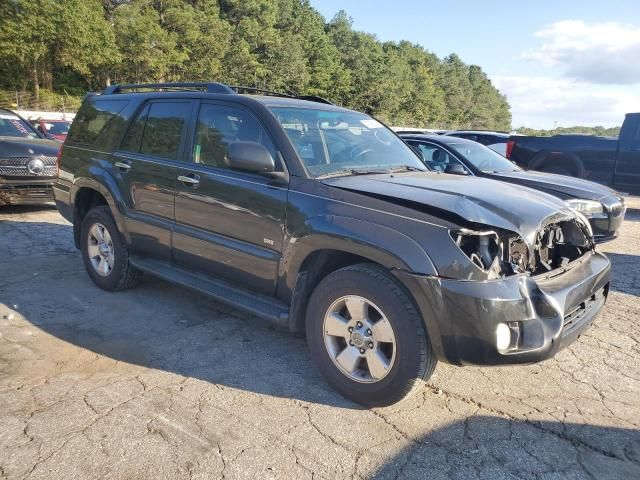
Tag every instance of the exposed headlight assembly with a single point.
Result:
(588, 208)
(492, 254)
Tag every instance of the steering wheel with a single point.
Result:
(360, 150)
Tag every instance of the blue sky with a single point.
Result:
(565, 62)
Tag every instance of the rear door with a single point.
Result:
(229, 224)
(148, 161)
(627, 172)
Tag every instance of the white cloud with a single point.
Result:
(600, 53)
(539, 101)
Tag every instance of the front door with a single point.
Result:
(229, 224)
(148, 162)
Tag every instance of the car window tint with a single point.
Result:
(94, 119)
(435, 157)
(219, 126)
(163, 129)
(133, 138)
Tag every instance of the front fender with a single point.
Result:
(383, 245)
(100, 180)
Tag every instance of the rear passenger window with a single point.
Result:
(218, 126)
(131, 142)
(97, 123)
(158, 130)
(163, 129)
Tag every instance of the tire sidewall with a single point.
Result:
(103, 216)
(397, 309)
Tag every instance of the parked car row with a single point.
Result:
(455, 154)
(322, 220)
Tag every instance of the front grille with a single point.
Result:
(17, 167)
(580, 313)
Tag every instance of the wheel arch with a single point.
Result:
(338, 242)
(88, 192)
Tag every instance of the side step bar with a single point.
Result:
(260, 305)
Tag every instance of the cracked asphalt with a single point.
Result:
(161, 382)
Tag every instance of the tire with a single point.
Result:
(121, 275)
(410, 357)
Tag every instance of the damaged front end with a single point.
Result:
(500, 253)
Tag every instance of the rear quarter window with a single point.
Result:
(98, 124)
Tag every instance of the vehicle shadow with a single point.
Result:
(163, 326)
(21, 209)
(157, 325)
(495, 447)
(625, 276)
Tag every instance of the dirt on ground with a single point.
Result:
(161, 382)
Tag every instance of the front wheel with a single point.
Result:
(366, 336)
(105, 254)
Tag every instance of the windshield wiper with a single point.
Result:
(406, 168)
(351, 171)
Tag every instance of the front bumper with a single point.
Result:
(26, 192)
(550, 311)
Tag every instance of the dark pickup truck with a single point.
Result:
(607, 160)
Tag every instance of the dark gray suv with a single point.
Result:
(322, 220)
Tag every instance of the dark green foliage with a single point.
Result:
(71, 46)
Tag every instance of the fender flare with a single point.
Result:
(101, 181)
(391, 249)
(572, 161)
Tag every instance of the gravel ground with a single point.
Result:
(160, 382)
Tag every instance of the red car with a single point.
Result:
(54, 129)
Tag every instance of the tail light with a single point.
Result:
(510, 144)
(58, 161)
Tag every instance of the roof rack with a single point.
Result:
(310, 98)
(209, 88)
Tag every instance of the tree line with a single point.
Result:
(597, 130)
(74, 46)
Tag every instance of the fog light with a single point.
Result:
(507, 336)
(503, 337)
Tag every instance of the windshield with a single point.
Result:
(12, 126)
(57, 128)
(335, 142)
(483, 158)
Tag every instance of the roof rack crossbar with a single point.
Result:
(209, 87)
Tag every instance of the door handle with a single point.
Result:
(125, 166)
(191, 180)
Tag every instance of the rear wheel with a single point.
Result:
(105, 254)
(366, 336)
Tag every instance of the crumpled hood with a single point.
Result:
(476, 200)
(27, 147)
(566, 187)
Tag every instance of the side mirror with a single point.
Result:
(455, 169)
(250, 157)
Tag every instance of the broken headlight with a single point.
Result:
(492, 253)
(588, 208)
